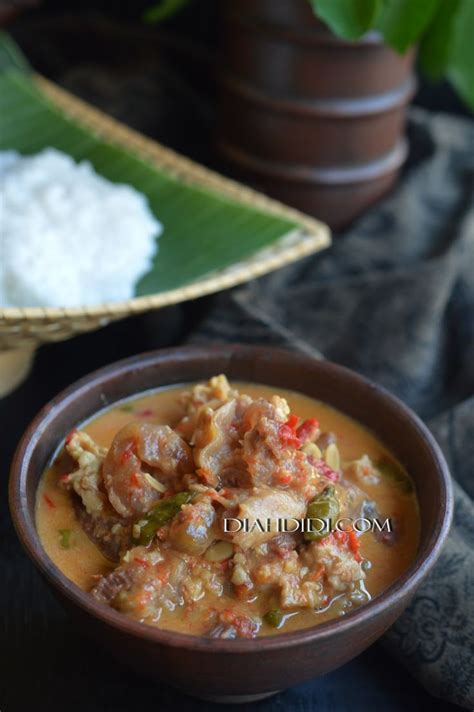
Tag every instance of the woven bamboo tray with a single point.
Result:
(22, 330)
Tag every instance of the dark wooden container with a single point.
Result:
(314, 121)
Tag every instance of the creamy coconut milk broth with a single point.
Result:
(214, 601)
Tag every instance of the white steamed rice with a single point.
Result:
(69, 237)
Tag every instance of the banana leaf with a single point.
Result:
(204, 231)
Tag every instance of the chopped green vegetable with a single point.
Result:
(393, 471)
(65, 536)
(325, 506)
(275, 618)
(161, 515)
(126, 408)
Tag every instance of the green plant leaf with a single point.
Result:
(461, 62)
(437, 42)
(349, 19)
(204, 231)
(402, 22)
(163, 10)
(11, 57)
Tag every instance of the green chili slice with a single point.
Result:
(392, 470)
(325, 506)
(65, 536)
(275, 618)
(160, 515)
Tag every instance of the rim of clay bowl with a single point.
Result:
(25, 526)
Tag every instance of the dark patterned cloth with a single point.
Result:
(394, 299)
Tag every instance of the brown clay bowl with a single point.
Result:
(237, 670)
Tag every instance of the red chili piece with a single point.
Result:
(49, 501)
(354, 545)
(287, 432)
(308, 430)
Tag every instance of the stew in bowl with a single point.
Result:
(227, 510)
(212, 532)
